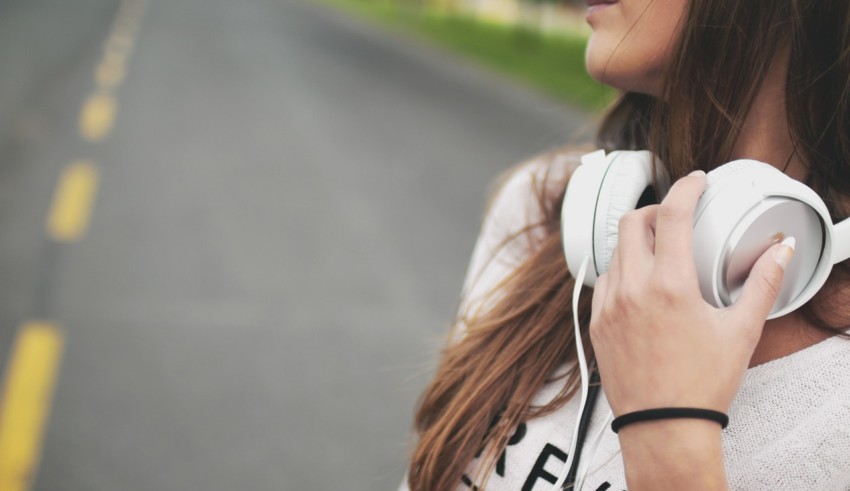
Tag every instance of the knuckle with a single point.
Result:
(628, 218)
(667, 289)
(648, 212)
(628, 222)
(769, 283)
(594, 329)
(627, 298)
(597, 329)
(671, 212)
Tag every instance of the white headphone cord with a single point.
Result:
(582, 365)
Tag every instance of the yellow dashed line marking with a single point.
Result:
(34, 360)
(120, 42)
(28, 390)
(72, 203)
(126, 22)
(110, 72)
(97, 116)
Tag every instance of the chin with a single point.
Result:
(629, 68)
(612, 71)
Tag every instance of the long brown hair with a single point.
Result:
(487, 379)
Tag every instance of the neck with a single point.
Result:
(765, 136)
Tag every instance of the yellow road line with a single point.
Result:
(121, 42)
(28, 391)
(72, 203)
(110, 72)
(97, 116)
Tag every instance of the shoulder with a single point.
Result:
(544, 172)
(519, 198)
(520, 202)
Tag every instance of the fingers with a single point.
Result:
(636, 239)
(764, 283)
(674, 224)
(633, 257)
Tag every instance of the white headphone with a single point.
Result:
(747, 205)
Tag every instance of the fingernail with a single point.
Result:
(786, 252)
(697, 173)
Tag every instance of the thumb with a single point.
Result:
(762, 287)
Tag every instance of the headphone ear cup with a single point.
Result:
(747, 206)
(600, 192)
(577, 213)
(628, 178)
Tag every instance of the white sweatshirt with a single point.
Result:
(789, 425)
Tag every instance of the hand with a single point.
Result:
(657, 342)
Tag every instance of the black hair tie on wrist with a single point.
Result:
(669, 413)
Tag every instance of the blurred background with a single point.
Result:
(233, 234)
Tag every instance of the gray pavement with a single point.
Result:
(287, 204)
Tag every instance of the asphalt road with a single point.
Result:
(287, 198)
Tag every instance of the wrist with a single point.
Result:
(669, 413)
(673, 454)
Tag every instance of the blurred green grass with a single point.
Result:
(550, 63)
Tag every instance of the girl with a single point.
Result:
(703, 82)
